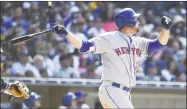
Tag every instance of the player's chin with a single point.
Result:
(137, 30)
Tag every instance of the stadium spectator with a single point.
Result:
(74, 14)
(96, 29)
(20, 67)
(77, 27)
(60, 49)
(41, 70)
(66, 70)
(83, 63)
(90, 73)
(140, 75)
(68, 101)
(152, 74)
(81, 99)
(33, 102)
(42, 48)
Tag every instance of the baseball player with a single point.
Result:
(120, 52)
(16, 89)
(81, 99)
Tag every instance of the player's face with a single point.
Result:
(137, 27)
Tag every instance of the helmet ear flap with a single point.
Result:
(119, 22)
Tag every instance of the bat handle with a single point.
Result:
(42, 32)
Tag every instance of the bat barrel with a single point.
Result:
(20, 39)
(27, 37)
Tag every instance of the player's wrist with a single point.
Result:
(165, 29)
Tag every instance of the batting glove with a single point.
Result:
(59, 29)
(166, 22)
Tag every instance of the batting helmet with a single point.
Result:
(67, 98)
(79, 94)
(126, 17)
(30, 102)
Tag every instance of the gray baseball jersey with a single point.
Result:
(120, 56)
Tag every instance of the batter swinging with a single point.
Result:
(120, 54)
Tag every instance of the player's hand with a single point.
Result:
(59, 29)
(18, 89)
(166, 22)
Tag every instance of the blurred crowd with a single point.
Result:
(51, 55)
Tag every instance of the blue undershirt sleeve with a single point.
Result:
(154, 46)
(86, 46)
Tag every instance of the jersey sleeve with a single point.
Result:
(143, 44)
(101, 44)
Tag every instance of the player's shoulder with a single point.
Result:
(108, 34)
(139, 39)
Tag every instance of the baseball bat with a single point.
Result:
(28, 37)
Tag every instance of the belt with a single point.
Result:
(119, 86)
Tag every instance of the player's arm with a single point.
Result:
(83, 46)
(161, 41)
(74, 40)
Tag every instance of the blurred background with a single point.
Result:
(55, 71)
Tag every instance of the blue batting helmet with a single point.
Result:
(126, 17)
(30, 102)
(67, 98)
(79, 94)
